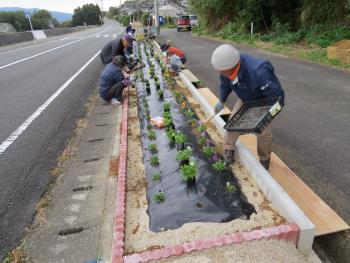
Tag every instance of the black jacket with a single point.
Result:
(113, 48)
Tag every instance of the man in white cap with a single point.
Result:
(251, 79)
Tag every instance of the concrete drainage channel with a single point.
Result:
(299, 229)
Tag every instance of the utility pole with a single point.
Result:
(156, 22)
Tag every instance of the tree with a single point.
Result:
(89, 14)
(41, 19)
(113, 12)
(16, 19)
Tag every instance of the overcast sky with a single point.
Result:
(57, 5)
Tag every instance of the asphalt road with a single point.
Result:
(312, 133)
(46, 86)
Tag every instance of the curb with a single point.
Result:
(288, 232)
(119, 217)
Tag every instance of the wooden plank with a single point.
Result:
(325, 219)
(190, 76)
(212, 99)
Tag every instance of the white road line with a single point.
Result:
(5, 144)
(47, 51)
(98, 36)
(37, 113)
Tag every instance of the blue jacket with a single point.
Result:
(256, 80)
(110, 75)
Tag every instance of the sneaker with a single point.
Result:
(266, 164)
(229, 156)
(115, 102)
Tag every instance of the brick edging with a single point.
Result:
(288, 232)
(119, 217)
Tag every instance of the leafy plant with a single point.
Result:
(148, 117)
(152, 148)
(156, 177)
(201, 128)
(188, 172)
(180, 137)
(155, 78)
(149, 127)
(160, 92)
(166, 115)
(152, 135)
(170, 133)
(166, 106)
(159, 197)
(154, 160)
(189, 114)
(167, 122)
(202, 140)
(220, 165)
(230, 188)
(184, 155)
(208, 151)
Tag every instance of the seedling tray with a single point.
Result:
(255, 116)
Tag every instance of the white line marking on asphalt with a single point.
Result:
(79, 197)
(97, 36)
(65, 38)
(47, 51)
(5, 144)
(36, 114)
(106, 35)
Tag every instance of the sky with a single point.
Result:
(67, 6)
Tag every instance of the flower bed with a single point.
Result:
(160, 208)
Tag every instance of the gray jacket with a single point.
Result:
(113, 48)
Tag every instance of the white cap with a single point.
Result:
(225, 57)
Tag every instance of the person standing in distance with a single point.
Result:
(251, 79)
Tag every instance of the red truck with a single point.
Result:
(183, 22)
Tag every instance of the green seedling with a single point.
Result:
(149, 127)
(171, 135)
(159, 197)
(156, 177)
(152, 148)
(189, 114)
(166, 106)
(148, 117)
(202, 140)
(188, 172)
(201, 128)
(152, 135)
(180, 137)
(230, 188)
(208, 151)
(166, 115)
(184, 155)
(167, 122)
(156, 78)
(154, 160)
(220, 165)
(160, 92)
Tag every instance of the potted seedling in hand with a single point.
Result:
(220, 165)
(188, 172)
(154, 160)
(183, 156)
(180, 139)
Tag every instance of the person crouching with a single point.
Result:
(113, 80)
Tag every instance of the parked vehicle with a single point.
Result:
(193, 20)
(183, 22)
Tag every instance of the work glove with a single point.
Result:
(218, 107)
(126, 82)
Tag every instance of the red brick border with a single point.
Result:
(119, 217)
(288, 232)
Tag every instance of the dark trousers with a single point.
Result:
(116, 91)
(183, 59)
